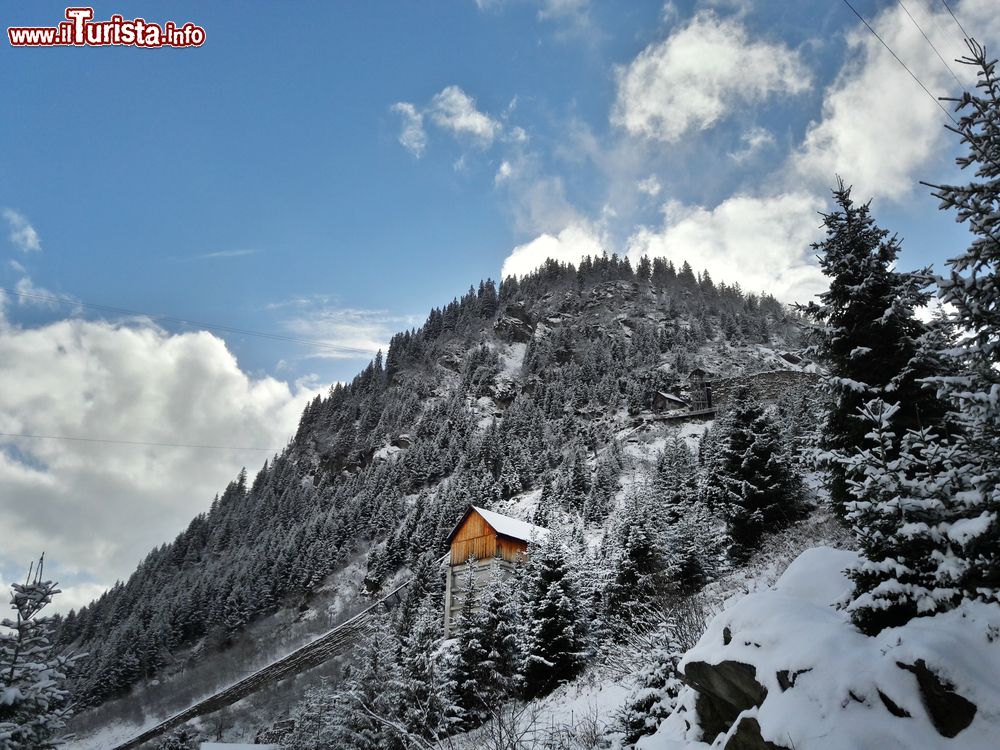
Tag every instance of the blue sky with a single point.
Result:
(332, 170)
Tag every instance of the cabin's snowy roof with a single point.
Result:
(672, 397)
(507, 526)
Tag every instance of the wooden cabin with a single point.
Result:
(666, 401)
(481, 541)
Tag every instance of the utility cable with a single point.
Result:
(185, 322)
(891, 52)
(952, 13)
(139, 442)
(928, 39)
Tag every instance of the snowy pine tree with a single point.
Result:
(869, 336)
(470, 651)
(750, 479)
(972, 286)
(424, 689)
(366, 708)
(316, 720)
(184, 738)
(928, 518)
(638, 573)
(498, 621)
(33, 700)
(902, 516)
(657, 686)
(554, 642)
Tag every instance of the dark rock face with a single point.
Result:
(518, 311)
(894, 708)
(748, 737)
(724, 691)
(451, 361)
(514, 325)
(949, 712)
(787, 678)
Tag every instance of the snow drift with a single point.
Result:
(786, 668)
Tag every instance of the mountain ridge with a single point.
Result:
(501, 393)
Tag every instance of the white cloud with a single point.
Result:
(317, 319)
(698, 74)
(22, 235)
(29, 294)
(650, 186)
(541, 206)
(572, 11)
(517, 134)
(455, 111)
(760, 243)
(753, 140)
(568, 246)
(504, 172)
(413, 136)
(878, 129)
(98, 508)
(557, 9)
(226, 254)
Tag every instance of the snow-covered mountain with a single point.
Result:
(543, 399)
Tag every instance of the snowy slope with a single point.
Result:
(849, 690)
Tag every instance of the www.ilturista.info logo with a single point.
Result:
(80, 30)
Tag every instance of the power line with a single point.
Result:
(940, 57)
(891, 52)
(183, 321)
(952, 13)
(138, 442)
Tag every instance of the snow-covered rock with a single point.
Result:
(785, 668)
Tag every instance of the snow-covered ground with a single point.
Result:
(849, 690)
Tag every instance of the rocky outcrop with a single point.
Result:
(948, 711)
(515, 325)
(785, 668)
(748, 737)
(725, 690)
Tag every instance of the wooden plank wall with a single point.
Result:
(477, 538)
(474, 537)
(512, 550)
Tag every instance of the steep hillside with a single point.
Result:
(533, 398)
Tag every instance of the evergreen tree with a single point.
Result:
(33, 698)
(694, 547)
(424, 688)
(927, 514)
(317, 720)
(972, 286)
(902, 516)
(658, 684)
(498, 620)
(184, 738)
(869, 335)
(752, 481)
(367, 707)
(639, 573)
(471, 651)
(554, 642)
(674, 483)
